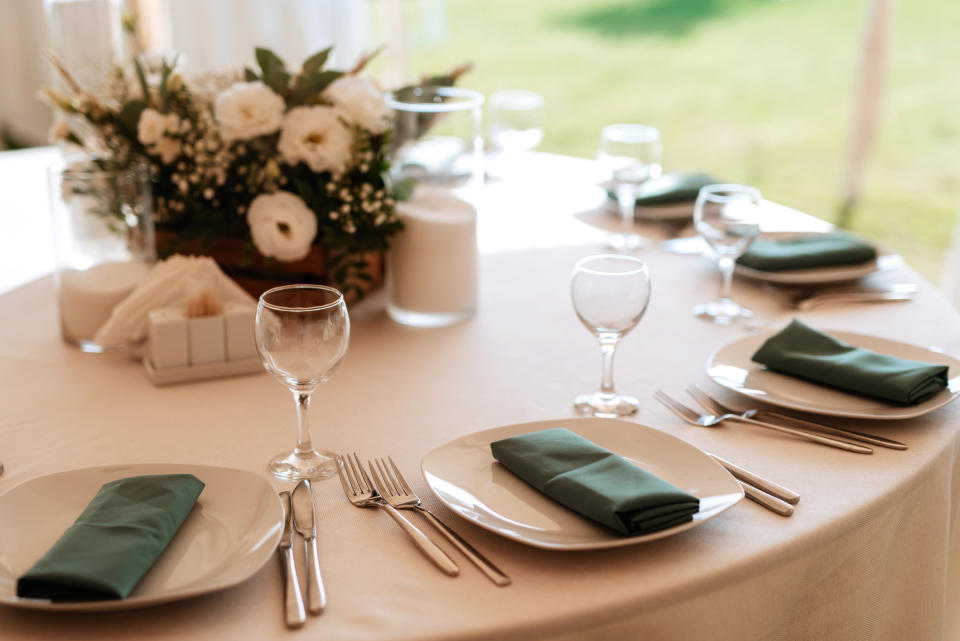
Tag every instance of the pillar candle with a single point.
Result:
(432, 264)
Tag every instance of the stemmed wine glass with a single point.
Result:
(610, 295)
(727, 217)
(302, 335)
(514, 125)
(631, 155)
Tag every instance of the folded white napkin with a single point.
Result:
(166, 285)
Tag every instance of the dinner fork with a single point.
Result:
(768, 416)
(710, 420)
(356, 485)
(394, 489)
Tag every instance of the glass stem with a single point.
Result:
(626, 200)
(608, 348)
(303, 422)
(726, 264)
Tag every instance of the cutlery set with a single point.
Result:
(299, 518)
(384, 487)
(770, 495)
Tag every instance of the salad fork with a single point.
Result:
(356, 485)
(711, 420)
(395, 490)
(714, 405)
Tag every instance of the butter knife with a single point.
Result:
(293, 611)
(304, 519)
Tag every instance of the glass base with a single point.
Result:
(92, 347)
(311, 464)
(427, 319)
(626, 243)
(722, 312)
(606, 405)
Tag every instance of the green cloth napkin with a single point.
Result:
(804, 352)
(804, 252)
(116, 539)
(668, 189)
(594, 482)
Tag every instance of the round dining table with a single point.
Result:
(867, 554)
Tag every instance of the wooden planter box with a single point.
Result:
(254, 272)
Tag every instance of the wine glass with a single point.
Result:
(514, 125)
(631, 156)
(610, 295)
(302, 334)
(727, 217)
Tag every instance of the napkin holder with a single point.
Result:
(182, 349)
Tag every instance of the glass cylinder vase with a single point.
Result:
(104, 241)
(437, 136)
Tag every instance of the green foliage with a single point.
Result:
(129, 116)
(314, 64)
(308, 86)
(273, 71)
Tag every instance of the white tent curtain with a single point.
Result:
(211, 34)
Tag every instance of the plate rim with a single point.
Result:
(606, 543)
(913, 411)
(144, 601)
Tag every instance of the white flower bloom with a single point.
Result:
(167, 148)
(282, 226)
(171, 123)
(316, 136)
(247, 110)
(151, 126)
(361, 102)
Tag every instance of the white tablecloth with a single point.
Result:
(867, 555)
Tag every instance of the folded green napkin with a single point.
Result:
(594, 482)
(668, 189)
(804, 252)
(116, 539)
(673, 188)
(804, 352)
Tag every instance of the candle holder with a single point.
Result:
(104, 241)
(437, 136)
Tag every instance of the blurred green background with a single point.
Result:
(754, 91)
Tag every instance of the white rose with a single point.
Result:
(282, 226)
(247, 110)
(167, 148)
(151, 126)
(316, 136)
(361, 102)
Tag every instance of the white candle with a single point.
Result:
(88, 296)
(432, 265)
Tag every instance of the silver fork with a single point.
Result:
(768, 416)
(360, 492)
(711, 420)
(394, 489)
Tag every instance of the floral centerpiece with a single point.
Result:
(279, 175)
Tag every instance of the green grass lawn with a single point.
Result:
(755, 91)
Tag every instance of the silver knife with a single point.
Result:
(304, 520)
(293, 612)
(829, 429)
